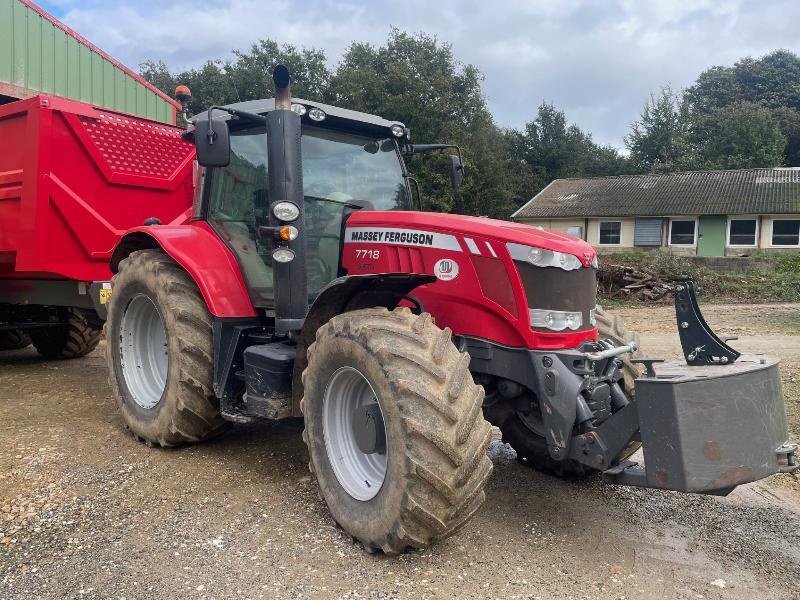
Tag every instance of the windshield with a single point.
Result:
(348, 168)
(342, 172)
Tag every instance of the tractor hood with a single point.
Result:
(481, 227)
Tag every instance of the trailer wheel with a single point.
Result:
(14, 339)
(77, 337)
(394, 428)
(531, 448)
(159, 352)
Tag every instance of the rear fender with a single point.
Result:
(344, 295)
(198, 250)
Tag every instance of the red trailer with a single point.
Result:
(73, 178)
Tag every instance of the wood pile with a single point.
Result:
(635, 284)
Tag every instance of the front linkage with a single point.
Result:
(705, 426)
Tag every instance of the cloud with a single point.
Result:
(598, 61)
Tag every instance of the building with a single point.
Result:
(704, 213)
(39, 54)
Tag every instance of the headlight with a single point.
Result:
(299, 109)
(557, 320)
(283, 255)
(397, 130)
(286, 211)
(544, 258)
(316, 114)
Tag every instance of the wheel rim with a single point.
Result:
(361, 474)
(143, 351)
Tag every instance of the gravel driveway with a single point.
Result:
(85, 511)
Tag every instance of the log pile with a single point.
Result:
(635, 284)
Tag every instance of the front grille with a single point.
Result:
(555, 289)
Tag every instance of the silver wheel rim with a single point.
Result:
(361, 475)
(143, 351)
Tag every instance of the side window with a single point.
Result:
(610, 233)
(681, 233)
(786, 232)
(238, 204)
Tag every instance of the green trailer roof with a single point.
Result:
(39, 54)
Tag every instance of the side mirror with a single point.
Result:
(212, 140)
(456, 170)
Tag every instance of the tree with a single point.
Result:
(658, 139)
(740, 136)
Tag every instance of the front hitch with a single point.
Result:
(707, 425)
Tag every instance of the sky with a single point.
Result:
(596, 60)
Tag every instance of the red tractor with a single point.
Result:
(301, 284)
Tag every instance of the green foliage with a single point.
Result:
(658, 140)
(739, 136)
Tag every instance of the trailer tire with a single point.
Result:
(434, 461)
(164, 388)
(76, 337)
(531, 448)
(14, 339)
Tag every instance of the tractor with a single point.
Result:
(303, 284)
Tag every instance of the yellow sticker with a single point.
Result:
(105, 294)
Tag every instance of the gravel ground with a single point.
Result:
(87, 512)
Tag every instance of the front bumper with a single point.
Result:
(707, 429)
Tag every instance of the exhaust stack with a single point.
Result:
(285, 184)
(283, 88)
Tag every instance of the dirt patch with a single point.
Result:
(85, 511)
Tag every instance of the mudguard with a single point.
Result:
(196, 248)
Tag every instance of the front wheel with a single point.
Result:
(394, 428)
(159, 352)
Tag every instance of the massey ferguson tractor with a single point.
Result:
(299, 282)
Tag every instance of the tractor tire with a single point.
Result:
(77, 337)
(159, 352)
(531, 448)
(428, 480)
(14, 339)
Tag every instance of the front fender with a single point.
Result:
(200, 252)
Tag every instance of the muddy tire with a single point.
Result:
(14, 339)
(429, 480)
(532, 449)
(159, 352)
(77, 337)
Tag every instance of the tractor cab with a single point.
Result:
(350, 161)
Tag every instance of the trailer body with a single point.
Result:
(74, 177)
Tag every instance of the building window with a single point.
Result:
(742, 232)
(786, 232)
(575, 230)
(610, 233)
(681, 232)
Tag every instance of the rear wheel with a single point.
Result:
(76, 337)
(394, 428)
(531, 448)
(159, 352)
(14, 339)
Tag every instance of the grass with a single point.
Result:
(780, 282)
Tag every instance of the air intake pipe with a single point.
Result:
(285, 184)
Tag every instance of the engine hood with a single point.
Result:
(492, 229)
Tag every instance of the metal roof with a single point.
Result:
(38, 54)
(744, 191)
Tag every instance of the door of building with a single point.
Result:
(711, 235)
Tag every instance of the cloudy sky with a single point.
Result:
(597, 60)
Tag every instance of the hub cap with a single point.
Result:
(350, 403)
(143, 351)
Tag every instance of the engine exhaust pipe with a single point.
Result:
(283, 87)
